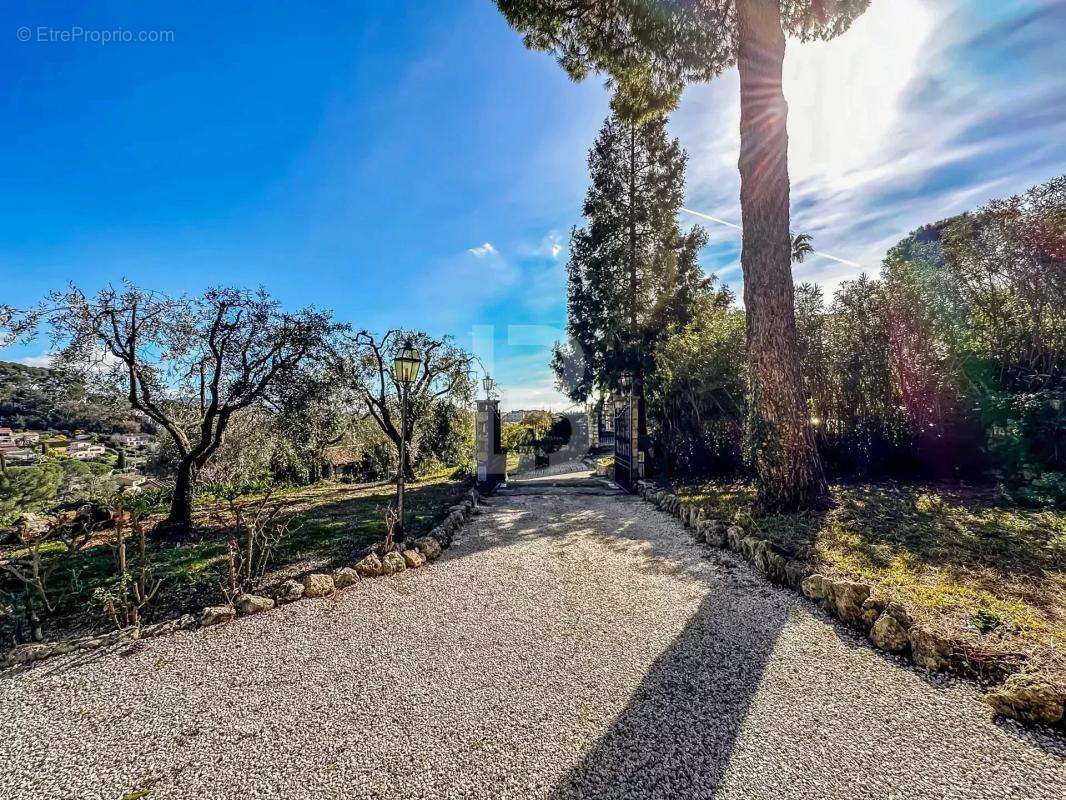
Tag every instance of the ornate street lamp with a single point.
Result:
(488, 383)
(407, 363)
(625, 380)
(405, 368)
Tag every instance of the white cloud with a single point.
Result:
(551, 246)
(99, 360)
(533, 394)
(900, 122)
(483, 250)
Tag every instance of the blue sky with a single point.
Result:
(410, 164)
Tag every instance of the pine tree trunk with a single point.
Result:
(789, 471)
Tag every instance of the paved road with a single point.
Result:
(571, 644)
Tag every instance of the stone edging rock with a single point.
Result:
(38, 651)
(888, 625)
(316, 584)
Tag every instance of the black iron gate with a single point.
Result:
(604, 429)
(623, 448)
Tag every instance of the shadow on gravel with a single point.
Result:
(676, 736)
(61, 665)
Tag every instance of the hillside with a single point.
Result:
(41, 398)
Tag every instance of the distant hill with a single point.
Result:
(518, 416)
(41, 398)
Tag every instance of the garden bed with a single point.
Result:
(334, 524)
(964, 562)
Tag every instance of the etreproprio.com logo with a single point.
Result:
(76, 34)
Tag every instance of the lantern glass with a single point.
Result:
(626, 381)
(406, 364)
(488, 383)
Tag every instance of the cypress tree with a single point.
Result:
(632, 270)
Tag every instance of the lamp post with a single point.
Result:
(405, 368)
(487, 383)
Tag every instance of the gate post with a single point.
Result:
(640, 435)
(491, 460)
(593, 427)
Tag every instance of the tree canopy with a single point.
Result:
(651, 49)
(363, 363)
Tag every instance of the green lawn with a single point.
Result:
(957, 556)
(333, 521)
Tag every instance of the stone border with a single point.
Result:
(316, 584)
(38, 651)
(888, 625)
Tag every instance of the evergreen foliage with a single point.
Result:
(633, 273)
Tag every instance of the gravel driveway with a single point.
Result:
(571, 644)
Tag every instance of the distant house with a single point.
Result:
(18, 455)
(27, 437)
(131, 483)
(131, 439)
(84, 451)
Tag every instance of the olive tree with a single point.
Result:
(363, 363)
(188, 363)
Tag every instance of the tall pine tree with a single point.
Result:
(651, 49)
(632, 271)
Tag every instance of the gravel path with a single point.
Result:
(569, 645)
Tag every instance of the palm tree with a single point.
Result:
(801, 247)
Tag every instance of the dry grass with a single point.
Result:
(957, 556)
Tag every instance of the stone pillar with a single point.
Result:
(491, 460)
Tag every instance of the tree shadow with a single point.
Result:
(61, 665)
(944, 525)
(954, 533)
(676, 736)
